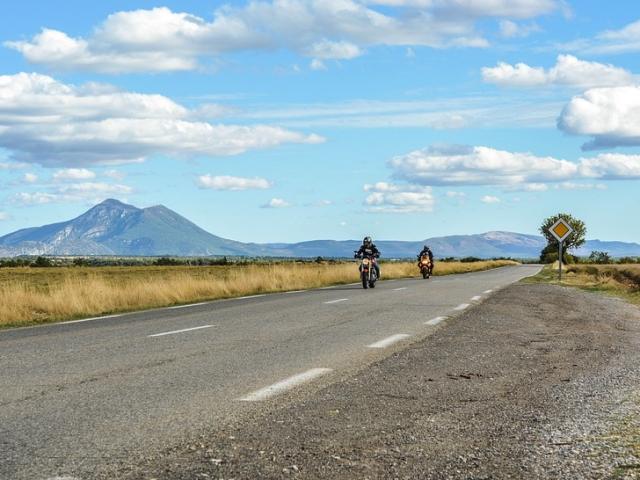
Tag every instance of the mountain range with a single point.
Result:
(115, 228)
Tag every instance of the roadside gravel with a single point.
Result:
(538, 381)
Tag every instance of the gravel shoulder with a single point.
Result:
(538, 381)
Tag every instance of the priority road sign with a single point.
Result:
(561, 230)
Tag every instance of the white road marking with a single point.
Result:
(91, 319)
(189, 305)
(462, 306)
(284, 385)
(327, 288)
(389, 340)
(487, 291)
(336, 301)
(435, 321)
(179, 331)
(297, 291)
(398, 289)
(476, 298)
(249, 296)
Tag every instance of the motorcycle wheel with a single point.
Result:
(365, 283)
(425, 274)
(372, 284)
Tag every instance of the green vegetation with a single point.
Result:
(622, 280)
(549, 253)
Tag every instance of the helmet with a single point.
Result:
(366, 240)
(426, 247)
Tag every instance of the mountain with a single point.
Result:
(115, 228)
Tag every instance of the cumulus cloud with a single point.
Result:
(73, 174)
(225, 182)
(610, 115)
(89, 192)
(490, 199)
(568, 71)
(465, 165)
(386, 197)
(54, 124)
(509, 29)
(160, 39)
(276, 203)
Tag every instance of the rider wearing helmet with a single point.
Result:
(368, 248)
(427, 251)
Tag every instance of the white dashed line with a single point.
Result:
(462, 306)
(487, 291)
(389, 340)
(249, 296)
(179, 331)
(435, 321)
(284, 385)
(336, 301)
(476, 298)
(297, 291)
(185, 306)
(398, 289)
(327, 288)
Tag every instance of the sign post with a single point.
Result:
(560, 230)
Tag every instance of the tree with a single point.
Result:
(575, 240)
(600, 257)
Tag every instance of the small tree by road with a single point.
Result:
(549, 253)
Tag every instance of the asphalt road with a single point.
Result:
(87, 397)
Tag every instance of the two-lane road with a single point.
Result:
(80, 397)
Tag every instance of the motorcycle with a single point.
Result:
(425, 266)
(368, 272)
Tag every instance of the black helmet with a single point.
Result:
(366, 240)
(426, 247)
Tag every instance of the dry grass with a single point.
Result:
(619, 280)
(32, 295)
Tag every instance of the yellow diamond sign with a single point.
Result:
(561, 230)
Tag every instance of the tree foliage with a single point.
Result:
(577, 237)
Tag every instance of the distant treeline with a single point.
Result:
(97, 261)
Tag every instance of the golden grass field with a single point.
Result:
(619, 280)
(38, 295)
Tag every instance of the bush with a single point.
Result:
(600, 257)
(42, 262)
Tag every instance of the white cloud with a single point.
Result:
(568, 71)
(317, 65)
(625, 40)
(610, 115)
(114, 174)
(276, 203)
(91, 192)
(30, 178)
(322, 203)
(396, 198)
(581, 186)
(4, 216)
(452, 194)
(159, 39)
(47, 122)
(13, 165)
(463, 165)
(509, 29)
(490, 199)
(73, 174)
(225, 182)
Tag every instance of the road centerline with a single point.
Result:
(162, 334)
(398, 289)
(284, 385)
(336, 301)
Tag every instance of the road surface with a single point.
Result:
(82, 398)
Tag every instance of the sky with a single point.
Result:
(293, 120)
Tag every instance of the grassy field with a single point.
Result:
(618, 280)
(38, 295)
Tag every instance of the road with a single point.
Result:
(86, 397)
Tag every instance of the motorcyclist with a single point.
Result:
(426, 251)
(369, 249)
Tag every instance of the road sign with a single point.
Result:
(561, 230)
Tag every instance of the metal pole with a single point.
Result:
(560, 261)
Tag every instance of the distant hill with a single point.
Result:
(115, 228)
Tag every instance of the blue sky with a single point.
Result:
(291, 120)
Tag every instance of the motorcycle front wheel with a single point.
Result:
(365, 282)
